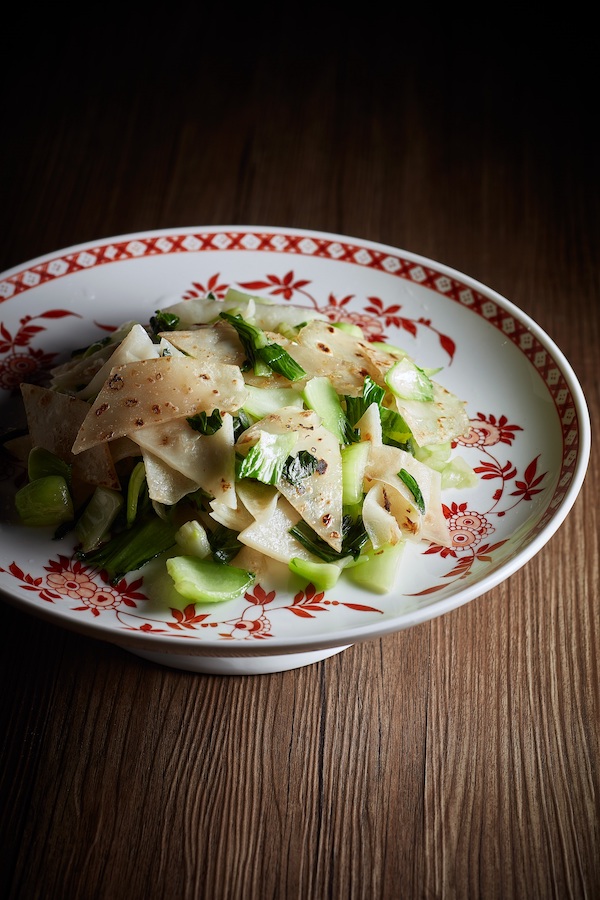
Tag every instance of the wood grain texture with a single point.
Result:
(459, 759)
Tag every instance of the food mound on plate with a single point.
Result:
(232, 437)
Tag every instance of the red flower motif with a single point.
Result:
(283, 287)
(484, 431)
(212, 286)
(529, 487)
(186, 618)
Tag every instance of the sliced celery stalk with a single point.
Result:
(206, 581)
(322, 575)
(320, 395)
(45, 501)
(193, 540)
(377, 573)
(94, 524)
(260, 402)
(42, 462)
(354, 461)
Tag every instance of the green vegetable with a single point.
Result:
(164, 321)
(322, 575)
(298, 467)
(132, 548)
(354, 461)
(354, 537)
(409, 382)
(206, 424)
(136, 492)
(206, 581)
(264, 356)
(261, 402)
(320, 395)
(94, 524)
(45, 501)
(458, 474)
(356, 407)
(412, 484)
(223, 544)
(355, 330)
(377, 569)
(193, 540)
(394, 430)
(266, 459)
(240, 423)
(42, 462)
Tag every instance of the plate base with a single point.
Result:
(240, 665)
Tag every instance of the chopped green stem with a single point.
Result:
(261, 352)
(131, 549)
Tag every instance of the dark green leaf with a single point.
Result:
(414, 488)
(206, 424)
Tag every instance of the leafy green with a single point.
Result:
(300, 466)
(164, 321)
(266, 459)
(206, 424)
(354, 537)
(223, 543)
(413, 486)
(263, 353)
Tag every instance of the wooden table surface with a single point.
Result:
(459, 758)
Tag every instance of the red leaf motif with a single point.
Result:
(359, 607)
(301, 612)
(448, 345)
(407, 325)
(58, 314)
(531, 470)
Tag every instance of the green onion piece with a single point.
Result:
(42, 462)
(206, 424)
(45, 501)
(414, 488)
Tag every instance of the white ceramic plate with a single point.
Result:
(529, 438)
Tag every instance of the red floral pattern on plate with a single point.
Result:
(83, 591)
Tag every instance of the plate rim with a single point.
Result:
(170, 644)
